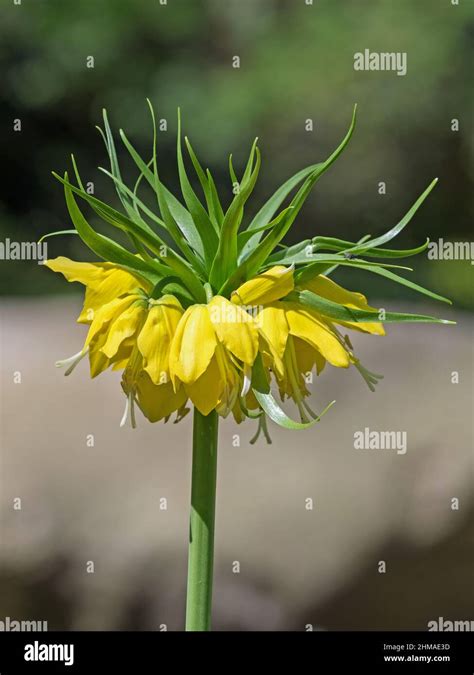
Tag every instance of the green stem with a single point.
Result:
(201, 533)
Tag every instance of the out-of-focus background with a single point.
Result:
(93, 546)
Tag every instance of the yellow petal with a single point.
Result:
(328, 289)
(106, 315)
(125, 326)
(232, 380)
(98, 362)
(206, 391)
(374, 328)
(193, 345)
(158, 401)
(84, 272)
(272, 285)
(115, 283)
(235, 328)
(273, 328)
(251, 402)
(238, 413)
(104, 282)
(307, 357)
(155, 337)
(305, 325)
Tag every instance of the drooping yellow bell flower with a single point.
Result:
(114, 330)
(295, 338)
(328, 289)
(156, 401)
(113, 306)
(212, 353)
(281, 319)
(146, 378)
(156, 335)
(206, 353)
(103, 281)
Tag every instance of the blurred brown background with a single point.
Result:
(102, 503)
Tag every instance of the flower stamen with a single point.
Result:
(247, 380)
(129, 412)
(72, 361)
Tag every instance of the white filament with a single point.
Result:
(72, 361)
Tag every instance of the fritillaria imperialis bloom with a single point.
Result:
(224, 311)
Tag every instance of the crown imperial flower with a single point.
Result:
(226, 310)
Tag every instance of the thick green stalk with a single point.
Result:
(201, 532)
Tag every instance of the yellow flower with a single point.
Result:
(212, 352)
(146, 377)
(295, 338)
(223, 352)
(329, 290)
(156, 401)
(154, 340)
(114, 330)
(279, 320)
(206, 352)
(293, 341)
(103, 281)
(113, 306)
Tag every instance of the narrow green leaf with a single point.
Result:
(245, 235)
(337, 312)
(314, 269)
(257, 257)
(225, 261)
(219, 213)
(114, 164)
(310, 259)
(55, 234)
(206, 229)
(206, 188)
(180, 215)
(250, 162)
(321, 243)
(138, 202)
(382, 271)
(268, 210)
(106, 248)
(185, 271)
(233, 176)
(141, 230)
(177, 236)
(378, 241)
(173, 260)
(288, 252)
(106, 212)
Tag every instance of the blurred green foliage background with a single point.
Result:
(296, 64)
